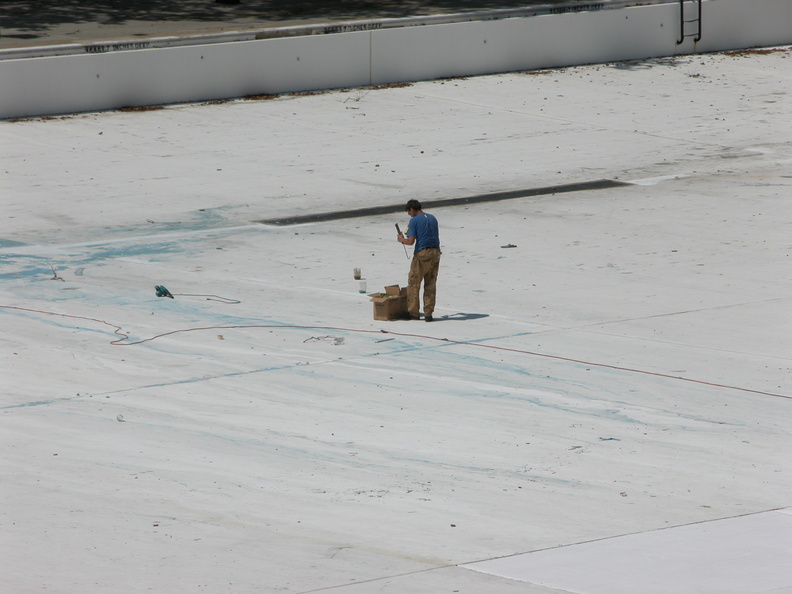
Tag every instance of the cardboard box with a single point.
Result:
(390, 305)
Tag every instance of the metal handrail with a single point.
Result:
(697, 35)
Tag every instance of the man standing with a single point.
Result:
(423, 232)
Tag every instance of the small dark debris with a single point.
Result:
(141, 108)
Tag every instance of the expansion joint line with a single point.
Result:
(593, 364)
(124, 341)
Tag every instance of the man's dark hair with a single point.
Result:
(413, 204)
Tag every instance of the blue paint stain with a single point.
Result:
(6, 243)
(16, 266)
(27, 267)
(140, 244)
(202, 220)
(148, 249)
(38, 403)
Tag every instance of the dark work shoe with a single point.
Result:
(428, 318)
(414, 317)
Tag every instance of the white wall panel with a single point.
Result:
(735, 24)
(87, 82)
(66, 84)
(524, 43)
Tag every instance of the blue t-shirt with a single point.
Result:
(423, 227)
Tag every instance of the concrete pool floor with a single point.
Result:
(606, 384)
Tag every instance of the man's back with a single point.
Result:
(425, 229)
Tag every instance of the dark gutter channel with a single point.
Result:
(602, 184)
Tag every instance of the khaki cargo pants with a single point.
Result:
(423, 268)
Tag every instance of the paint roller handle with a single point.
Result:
(399, 239)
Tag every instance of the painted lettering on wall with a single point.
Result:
(577, 8)
(348, 28)
(116, 47)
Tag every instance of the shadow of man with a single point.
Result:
(461, 317)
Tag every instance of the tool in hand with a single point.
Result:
(404, 246)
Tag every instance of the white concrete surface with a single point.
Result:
(745, 554)
(624, 369)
